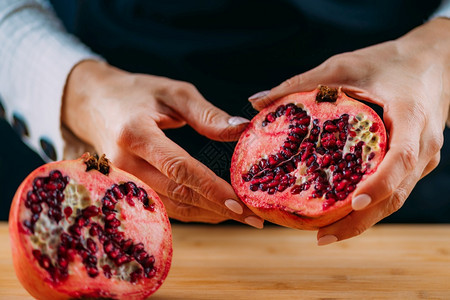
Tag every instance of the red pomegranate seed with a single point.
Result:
(120, 260)
(114, 253)
(37, 254)
(92, 271)
(136, 275)
(107, 271)
(108, 247)
(373, 128)
(341, 185)
(62, 262)
(328, 203)
(114, 223)
(36, 208)
(150, 272)
(50, 186)
(270, 117)
(350, 188)
(68, 211)
(45, 262)
(330, 127)
(91, 245)
(129, 200)
(90, 211)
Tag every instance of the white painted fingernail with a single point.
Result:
(255, 222)
(258, 95)
(361, 201)
(327, 239)
(234, 121)
(234, 206)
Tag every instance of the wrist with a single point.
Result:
(81, 97)
(429, 42)
(429, 46)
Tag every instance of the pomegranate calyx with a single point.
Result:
(93, 162)
(327, 94)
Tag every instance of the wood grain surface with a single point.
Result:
(237, 262)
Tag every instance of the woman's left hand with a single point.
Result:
(410, 79)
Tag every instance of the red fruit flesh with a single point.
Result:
(85, 229)
(300, 159)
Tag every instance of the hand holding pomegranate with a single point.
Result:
(123, 114)
(409, 79)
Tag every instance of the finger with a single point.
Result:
(204, 117)
(149, 142)
(182, 195)
(357, 222)
(187, 213)
(401, 160)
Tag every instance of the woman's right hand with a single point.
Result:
(122, 115)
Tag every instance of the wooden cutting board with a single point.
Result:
(237, 262)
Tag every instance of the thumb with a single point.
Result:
(207, 119)
(334, 72)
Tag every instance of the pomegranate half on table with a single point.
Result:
(85, 229)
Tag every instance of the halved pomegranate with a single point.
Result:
(300, 159)
(85, 229)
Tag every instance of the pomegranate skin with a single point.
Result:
(152, 228)
(310, 208)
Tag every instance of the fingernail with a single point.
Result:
(258, 95)
(327, 239)
(234, 121)
(361, 202)
(255, 222)
(234, 206)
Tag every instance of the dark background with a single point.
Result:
(247, 47)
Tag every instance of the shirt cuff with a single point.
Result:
(37, 56)
(443, 11)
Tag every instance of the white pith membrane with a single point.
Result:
(360, 125)
(47, 233)
(358, 130)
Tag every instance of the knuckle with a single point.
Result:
(179, 192)
(388, 185)
(434, 162)
(409, 157)
(292, 82)
(357, 227)
(208, 115)
(180, 215)
(358, 230)
(129, 136)
(175, 169)
(416, 112)
(208, 191)
(338, 64)
(124, 137)
(216, 220)
(436, 143)
(397, 200)
(183, 90)
(348, 68)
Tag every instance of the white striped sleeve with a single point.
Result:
(443, 11)
(36, 56)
